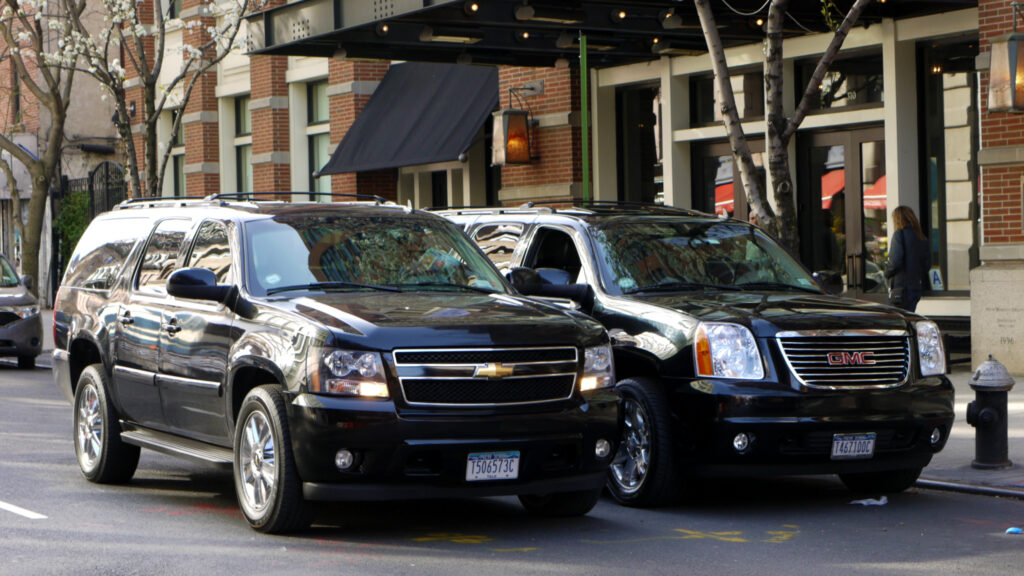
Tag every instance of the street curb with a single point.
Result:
(970, 488)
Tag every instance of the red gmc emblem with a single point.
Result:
(850, 358)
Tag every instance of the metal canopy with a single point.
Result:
(534, 32)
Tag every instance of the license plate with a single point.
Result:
(853, 446)
(492, 466)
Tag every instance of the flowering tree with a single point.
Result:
(779, 128)
(27, 27)
(132, 49)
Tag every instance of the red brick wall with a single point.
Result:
(1001, 189)
(558, 147)
(267, 77)
(344, 109)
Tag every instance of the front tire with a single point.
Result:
(888, 482)
(644, 472)
(102, 456)
(560, 504)
(266, 480)
(26, 362)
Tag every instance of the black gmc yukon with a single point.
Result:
(341, 351)
(731, 359)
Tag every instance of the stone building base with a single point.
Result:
(997, 314)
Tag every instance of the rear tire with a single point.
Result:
(888, 482)
(266, 480)
(26, 362)
(102, 456)
(644, 471)
(560, 504)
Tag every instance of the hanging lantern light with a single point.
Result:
(511, 138)
(1006, 70)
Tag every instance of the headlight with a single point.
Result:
(350, 373)
(727, 351)
(598, 371)
(930, 353)
(26, 311)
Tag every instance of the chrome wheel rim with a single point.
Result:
(632, 461)
(89, 428)
(258, 469)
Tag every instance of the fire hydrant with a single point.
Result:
(991, 383)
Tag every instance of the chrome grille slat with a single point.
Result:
(447, 377)
(808, 359)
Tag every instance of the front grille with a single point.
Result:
(486, 377)
(8, 317)
(471, 391)
(847, 360)
(486, 356)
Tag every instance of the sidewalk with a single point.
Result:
(949, 470)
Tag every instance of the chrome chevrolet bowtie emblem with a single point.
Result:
(494, 370)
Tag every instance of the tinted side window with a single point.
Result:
(498, 241)
(212, 250)
(161, 255)
(102, 251)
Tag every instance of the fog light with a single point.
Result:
(602, 448)
(741, 442)
(344, 459)
(936, 436)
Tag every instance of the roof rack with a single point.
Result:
(527, 208)
(158, 202)
(623, 205)
(254, 196)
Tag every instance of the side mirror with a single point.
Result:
(27, 282)
(201, 284)
(830, 281)
(532, 282)
(554, 276)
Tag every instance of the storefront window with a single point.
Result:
(747, 88)
(850, 81)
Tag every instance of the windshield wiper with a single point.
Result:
(481, 289)
(781, 285)
(330, 286)
(672, 286)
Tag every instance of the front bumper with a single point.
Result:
(424, 455)
(791, 431)
(23, 337)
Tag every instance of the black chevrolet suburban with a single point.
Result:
(730, 357)
(350, 350)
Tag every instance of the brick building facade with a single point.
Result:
(996, 308)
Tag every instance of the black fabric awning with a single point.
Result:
(420, 114)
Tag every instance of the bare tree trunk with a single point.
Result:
(730, 116)
(775, 124)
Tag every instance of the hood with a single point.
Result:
(16, 296)
(387, 320)
(767, 313)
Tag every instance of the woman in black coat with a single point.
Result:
(909, 260)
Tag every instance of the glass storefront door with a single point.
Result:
(842, 208)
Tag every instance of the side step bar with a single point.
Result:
(178, 446)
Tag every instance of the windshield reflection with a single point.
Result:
(351, 252)
(681, 254)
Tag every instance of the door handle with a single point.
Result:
(126, 319)
(172, 327)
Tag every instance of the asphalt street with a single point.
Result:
(176, 517)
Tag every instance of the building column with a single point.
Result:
(200, 118)
(268, 104)
(351, 83)
(675, 115)
(997, 310)
(899, 72)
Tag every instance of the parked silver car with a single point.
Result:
(21, 328)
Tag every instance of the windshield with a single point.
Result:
(8, 277)
(683, 254)
(352, 252)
